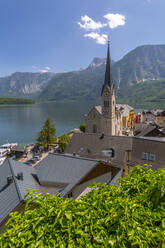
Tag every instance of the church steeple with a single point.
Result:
(108, 99)
(108, 73)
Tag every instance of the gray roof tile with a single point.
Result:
(63, 169)
(9, 197)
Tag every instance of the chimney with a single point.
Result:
(9, 180)
(20, 176)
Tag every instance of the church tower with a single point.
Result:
(108, 99)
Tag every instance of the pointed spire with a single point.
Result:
(108, 73)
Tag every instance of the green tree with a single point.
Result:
(129, 215)
(63, 141)
(47, 135)
(82, 127)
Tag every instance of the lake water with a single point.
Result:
(20, 123)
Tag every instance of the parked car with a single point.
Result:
(32, 160)
(36, 157)
(57, 149)
(28, 162)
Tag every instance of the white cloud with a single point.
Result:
(100, 38)
(90, 24)
(115, 20)
(44, 71)
(47, 68)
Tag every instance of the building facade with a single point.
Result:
(107, 118)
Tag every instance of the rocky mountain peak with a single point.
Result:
(96, 62)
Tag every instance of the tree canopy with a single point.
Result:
(131, 214)
(63, 141)
(82, 127)
(47, 135)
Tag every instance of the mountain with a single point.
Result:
(84, 84)
(139, 78)
(24, 84)
(143, 63)
(96, 62)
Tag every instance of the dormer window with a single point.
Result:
(106, 104)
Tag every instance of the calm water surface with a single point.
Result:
(20, 123)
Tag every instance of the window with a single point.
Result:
(88, 150)
(106, 104)
(80, 150)
(145, 156)
(109, 153)
(94, 128)
(152, 157)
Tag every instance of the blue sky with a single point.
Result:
(64, 35)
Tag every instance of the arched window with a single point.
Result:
(94, 128)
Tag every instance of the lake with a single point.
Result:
(21, 123)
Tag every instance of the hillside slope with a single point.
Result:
(138, 76)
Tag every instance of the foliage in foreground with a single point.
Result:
(47, 135)
(63, 141)
(130, 215)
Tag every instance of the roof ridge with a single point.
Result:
(72, 156)
(16, 185)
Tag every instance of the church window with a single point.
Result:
(94, 129)
(106, 104)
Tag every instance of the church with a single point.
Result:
(109, 118)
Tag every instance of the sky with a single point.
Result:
(65, 35)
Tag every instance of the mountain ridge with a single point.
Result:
(142, 66)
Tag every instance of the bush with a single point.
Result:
(82, 127)
(130, 215)
(63, 141)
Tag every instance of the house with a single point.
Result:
(148, 116)
(18, 151)
(160, 118)
(72, 174)
(148, 130)
(66, 175)
(111, 149)
(119, 150)
(147, 150)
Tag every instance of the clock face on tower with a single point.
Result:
(106, 94)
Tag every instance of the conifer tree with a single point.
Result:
(63, 141)
(47, 135)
